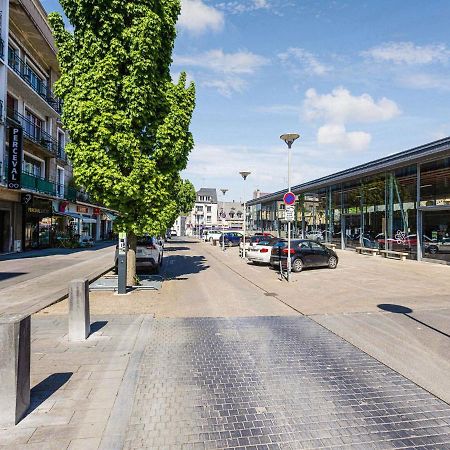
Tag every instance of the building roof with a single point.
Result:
(208, 192)
(423, 153)
(235, 207)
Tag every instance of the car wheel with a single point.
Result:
(297, 265)
(332, 262)
(433, 249)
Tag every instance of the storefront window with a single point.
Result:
(402, 212)
(435, 183)
(334, 208)
(351, 213)
(373, 211)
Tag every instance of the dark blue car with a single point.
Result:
(232, 239)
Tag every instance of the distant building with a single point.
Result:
(231, 214)
(204, 213)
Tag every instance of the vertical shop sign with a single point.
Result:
(15, 157)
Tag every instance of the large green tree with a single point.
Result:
(128, 123)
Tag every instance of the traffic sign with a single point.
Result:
(289, 198)
(290, 213)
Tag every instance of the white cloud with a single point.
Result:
(300, 60)
(226, 86)
(223, 71)
(409, 53)
(426, 81)
(243, 6)
(242, 62)
(340, 106)
(338, 136)
(279, 109)
(197, 17)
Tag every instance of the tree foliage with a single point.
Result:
(128, 123)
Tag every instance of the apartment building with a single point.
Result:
(204, 214)
(39, 205)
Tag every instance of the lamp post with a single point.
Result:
(224, 191)
(244, 175)
(289, 138)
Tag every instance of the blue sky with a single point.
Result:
(357, 79)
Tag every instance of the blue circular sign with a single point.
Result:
(289, 198)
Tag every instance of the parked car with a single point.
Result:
(149, 254)
(260, 252)
(253, 240)
(304, 253)
(173, 232)
(438, 246)
(315, 235)
(232, 238)
(213, 235)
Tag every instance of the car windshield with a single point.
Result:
(144, 240)
(280, 244)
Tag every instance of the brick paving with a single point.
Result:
(274, 383)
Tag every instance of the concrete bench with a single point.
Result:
(364, 250)
(15, 351)
(401, 255)
(329, 245)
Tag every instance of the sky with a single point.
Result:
(358, 80)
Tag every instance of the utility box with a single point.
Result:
(18, 246)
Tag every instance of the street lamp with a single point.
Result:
(244, 175)
(289, 138)
(224, 191)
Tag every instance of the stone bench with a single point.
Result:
(364, 250)
(401, 255)
(15, 344)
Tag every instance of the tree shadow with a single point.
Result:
(399, 309)
(7, 275)
(176, 249)
(179, 265)
(46, 388)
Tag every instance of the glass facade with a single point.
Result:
(404, 209)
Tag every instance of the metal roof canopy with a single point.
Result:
(424, 153)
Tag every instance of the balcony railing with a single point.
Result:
(35, 133)
(27, 74)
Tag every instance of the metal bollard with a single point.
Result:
(15, 346)
(79, 315)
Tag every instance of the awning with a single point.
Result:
(88, 219)
(72, 215)
(110, 215)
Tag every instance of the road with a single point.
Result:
(227, 356)
(28, 282)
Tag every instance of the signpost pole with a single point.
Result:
(122, 264)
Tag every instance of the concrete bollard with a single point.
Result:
(79, 316)
(14, 370)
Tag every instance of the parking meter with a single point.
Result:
(122, 263)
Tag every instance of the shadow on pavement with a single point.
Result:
(46, 388)
(179, 265)
(96, 326)
(176, 249)
(399, 309)
(8, 275)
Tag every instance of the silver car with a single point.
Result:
(149, 254)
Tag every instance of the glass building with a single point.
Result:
(400, 202)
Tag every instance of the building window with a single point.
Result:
(61, 143)
(208, 209)
(60, 182)
(208, 219)
(33, 166)
(33, 126)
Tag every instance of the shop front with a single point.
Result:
(399, 203)
(38, 226)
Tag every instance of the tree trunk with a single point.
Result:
(131, 259)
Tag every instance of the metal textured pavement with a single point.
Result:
(274, 383)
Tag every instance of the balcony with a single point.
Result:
(21, 68)
(36, 134)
